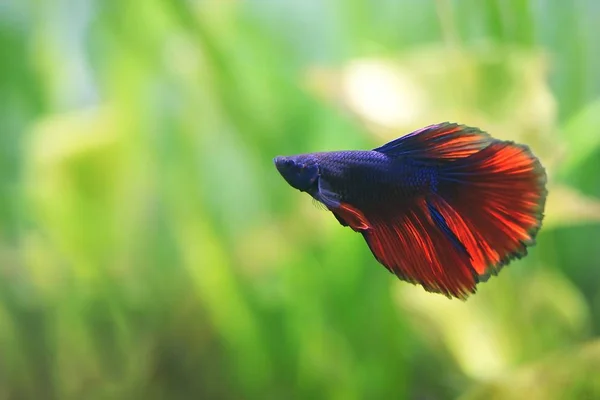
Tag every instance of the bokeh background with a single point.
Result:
(150, 250)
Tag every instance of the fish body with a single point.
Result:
(365, 179)
(443, 207)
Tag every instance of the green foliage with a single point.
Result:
(149, 249)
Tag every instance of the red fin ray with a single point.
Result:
(494, 203)
(440, 141)
(410, 245)
(351, 217)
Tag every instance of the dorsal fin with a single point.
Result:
(444, 141)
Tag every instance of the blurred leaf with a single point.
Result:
(566, 206)
(582, 136)
(487, 345)
(571, 374)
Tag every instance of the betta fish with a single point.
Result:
(444, 207)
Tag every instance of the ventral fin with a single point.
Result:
(441, 223)
(352, 217)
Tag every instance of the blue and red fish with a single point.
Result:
(444, 206)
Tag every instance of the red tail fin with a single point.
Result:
(493, 201)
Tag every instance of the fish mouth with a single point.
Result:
(282, 162)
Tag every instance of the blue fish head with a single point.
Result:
(301, 171)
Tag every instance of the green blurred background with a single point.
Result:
(150, 250)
